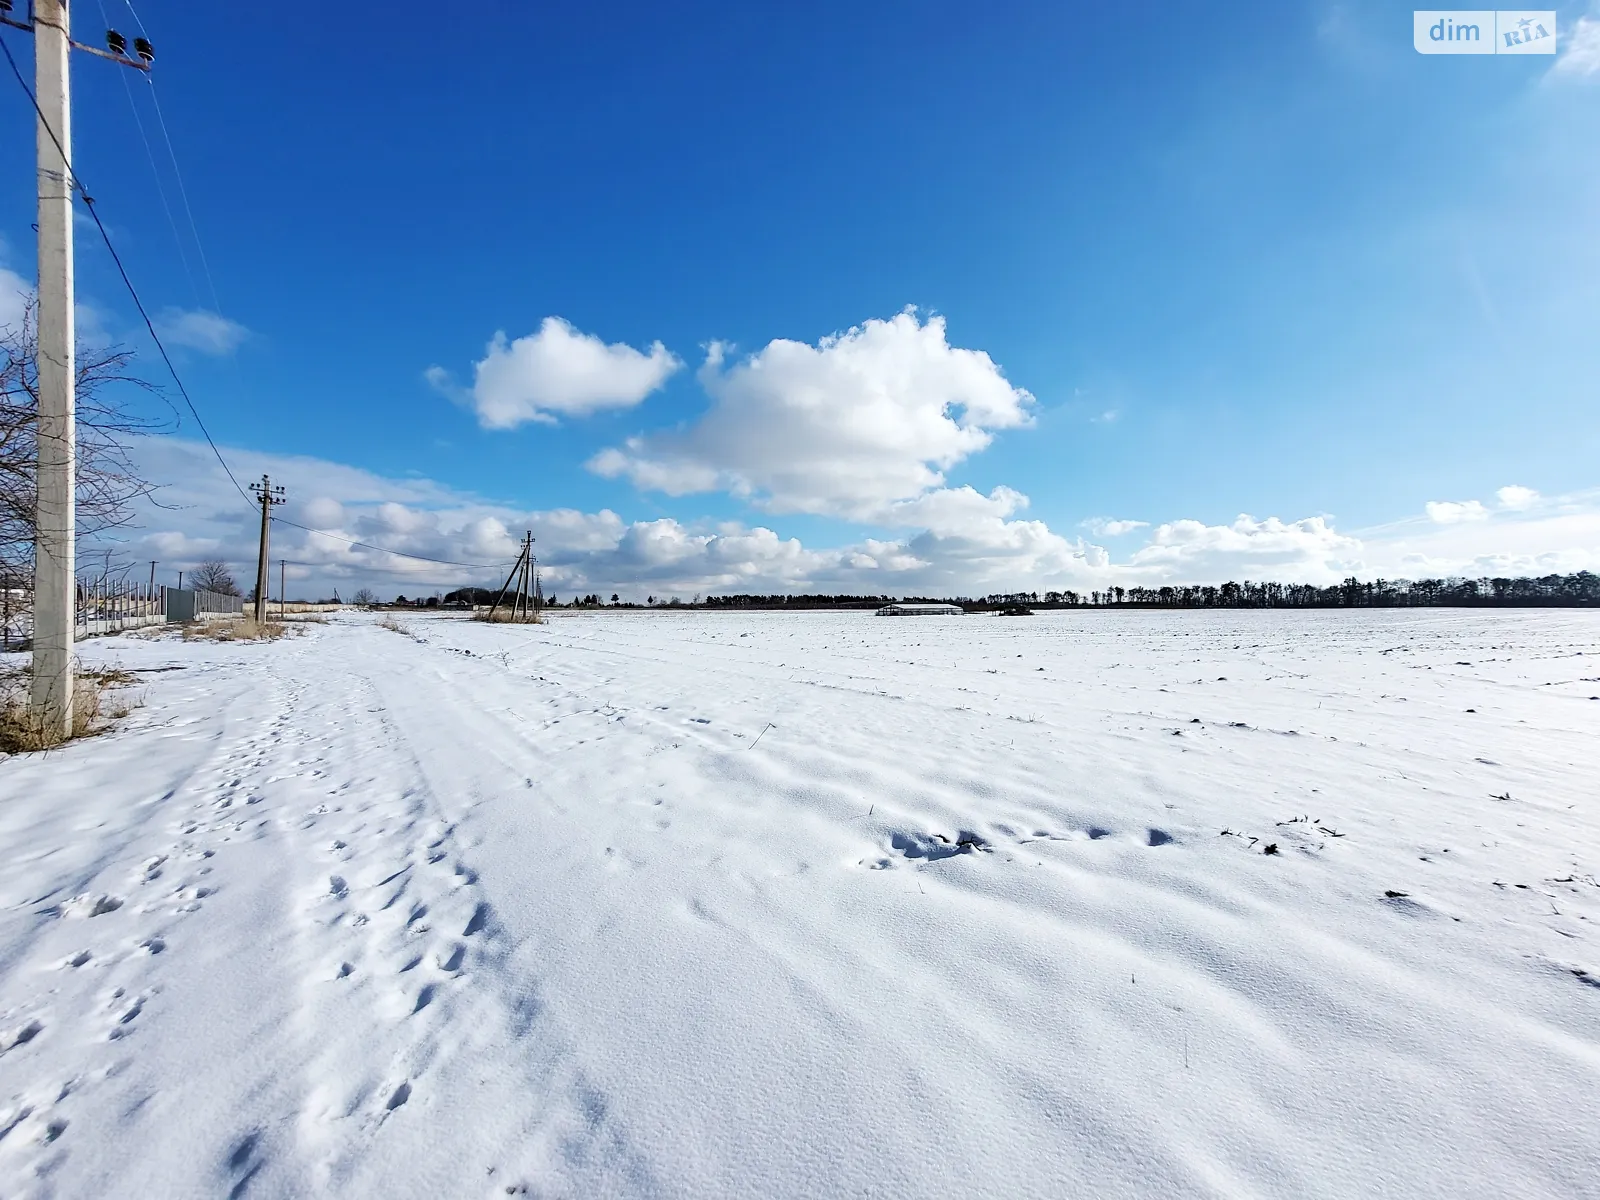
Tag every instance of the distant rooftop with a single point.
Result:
(920, 610)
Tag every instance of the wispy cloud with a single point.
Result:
(201, 330)
(1453, 512)
(1581, 58)
(1110, 527)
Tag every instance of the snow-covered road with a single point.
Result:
(704, 904)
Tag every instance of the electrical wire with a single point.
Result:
(88, 203)
(183, 192)
(161, 190)
(443, 562)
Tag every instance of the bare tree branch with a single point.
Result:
(109, 482)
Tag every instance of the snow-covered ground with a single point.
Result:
(699, 904)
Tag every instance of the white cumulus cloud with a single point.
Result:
(1454, 512)
(1517, 498)
(1304, 551)
(848, 427)
(957, 541)
(558, 371)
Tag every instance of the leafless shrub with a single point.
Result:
(108, 480)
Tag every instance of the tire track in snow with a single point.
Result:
(559, 1133)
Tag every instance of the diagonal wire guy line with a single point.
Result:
(88, 203)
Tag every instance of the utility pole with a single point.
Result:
(54, 566)
(521, 572)
(269, 496)
(283, 596)
(152, 577)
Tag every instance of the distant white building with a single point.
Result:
(921, 610)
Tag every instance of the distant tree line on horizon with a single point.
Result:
(1581, 588)
(1546, 591)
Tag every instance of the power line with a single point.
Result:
(443, 562)
(183, 192)
(88, 203)
(177, 172)
(161, 191)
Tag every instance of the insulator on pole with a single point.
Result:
(116, 43)
(143, 48)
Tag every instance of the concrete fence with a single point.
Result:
(111, 606)
(189, 604)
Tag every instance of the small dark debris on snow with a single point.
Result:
(1270, 848)
(1394, 895)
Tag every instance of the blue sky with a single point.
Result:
(1266, 261)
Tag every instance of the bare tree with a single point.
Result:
(108, 480)
(213, 576)
(364, 596)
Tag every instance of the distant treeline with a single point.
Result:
(1582, 588)
(1547, 591)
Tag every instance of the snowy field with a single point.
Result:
(772, 905)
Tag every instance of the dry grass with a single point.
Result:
(393, 626)
(94, 707)
(504, 616)
(243, 630)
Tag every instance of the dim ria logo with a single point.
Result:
(1484, 31)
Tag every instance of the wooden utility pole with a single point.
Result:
(54, 566)
(522, 572)
(268, 496)
(520, 613)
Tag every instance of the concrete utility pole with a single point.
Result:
(283, 596)
(54, 575)
(269, 496)
(54, 582)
